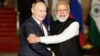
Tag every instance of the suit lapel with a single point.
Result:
(37, 25)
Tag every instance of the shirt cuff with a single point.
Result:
(42, 39)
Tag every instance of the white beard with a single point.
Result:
(62, 18)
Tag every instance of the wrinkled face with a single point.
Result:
(39, 11)
(62, 12)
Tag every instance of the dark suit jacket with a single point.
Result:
(35, 49)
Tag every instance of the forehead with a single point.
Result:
(62, 6)
(40, 5)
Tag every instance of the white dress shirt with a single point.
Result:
(68, 33)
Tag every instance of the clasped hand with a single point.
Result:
(32, 38)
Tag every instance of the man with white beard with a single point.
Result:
(64, 33)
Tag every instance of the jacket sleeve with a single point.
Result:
(37, 47)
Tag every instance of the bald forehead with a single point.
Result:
(38, 4)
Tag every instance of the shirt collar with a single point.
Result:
(36, 20)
